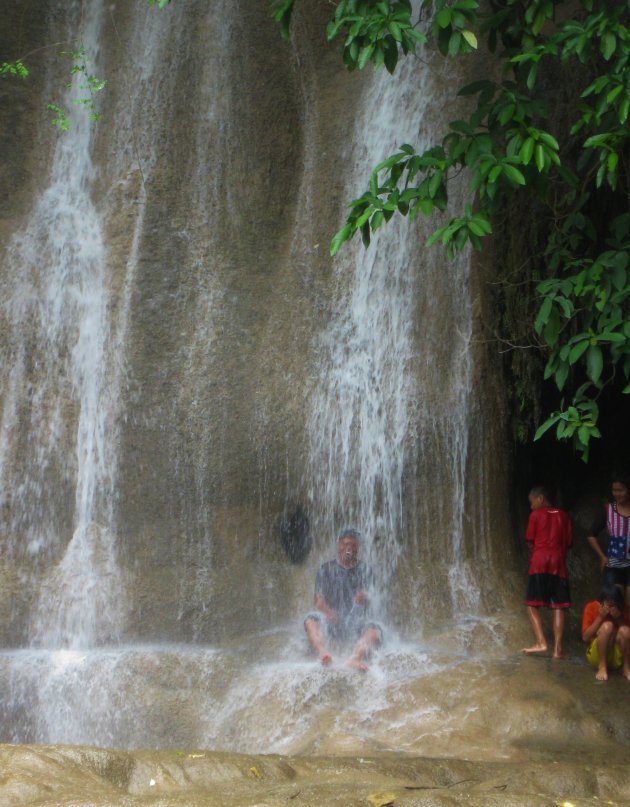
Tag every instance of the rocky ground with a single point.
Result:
(530, 733)
(63, 776)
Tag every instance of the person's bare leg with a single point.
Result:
(558, 632)
(603, 639)
(536, 622)
(316, 639)
(370, 639)
(623, 640)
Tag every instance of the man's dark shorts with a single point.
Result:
(345, 631)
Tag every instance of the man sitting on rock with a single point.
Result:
(341, 602)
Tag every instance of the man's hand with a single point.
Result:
(361, 598)
(327, 611)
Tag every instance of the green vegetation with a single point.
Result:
(16, 69)
(570, 169)
(89, 88)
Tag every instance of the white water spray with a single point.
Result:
(59, 319)
(374, 416)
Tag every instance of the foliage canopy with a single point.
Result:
(512, 143)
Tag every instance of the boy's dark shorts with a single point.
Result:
(548, 590)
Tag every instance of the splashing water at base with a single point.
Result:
(177, 696)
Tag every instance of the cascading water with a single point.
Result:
(181, 370)
(63, 337)
(373, 418)
(364, 400)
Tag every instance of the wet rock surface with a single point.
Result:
(512, 732)
(43, 776)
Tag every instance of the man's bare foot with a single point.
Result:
(536, 648)
(326, 659)
(602, 674)
(356, 664)
(559, 655)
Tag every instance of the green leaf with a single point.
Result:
(365, 55)
(584, 434)
(549, 140)
(377, 220)
(513, 173)
(597, 140)
(552, 328)
(531, 76)
(608, 45)
(443, 19)
(543, 314)
(562, 374)
(434, 237)
(475, 87)
(454, 43)
(527, 150)
(344, 234)
(364, 217)
(546, 425)
(594, 363)
(391, 55)
(494, 173)
(470, 38)
(619, 277)
(614, 93)
(434, 183)
(395, 31)
(578, 350)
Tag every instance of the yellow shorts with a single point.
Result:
(613, 659)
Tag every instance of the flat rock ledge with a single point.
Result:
(75, 776)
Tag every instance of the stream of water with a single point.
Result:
(132, 308)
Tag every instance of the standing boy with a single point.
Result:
(549, 536)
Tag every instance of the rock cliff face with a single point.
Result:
(185, 370)
(195, 397)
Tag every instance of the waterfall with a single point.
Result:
(375, 411)
(63, 362)
(362, 405)
(186, 372)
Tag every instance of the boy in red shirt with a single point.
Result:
(549, 536)
(608, 633)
